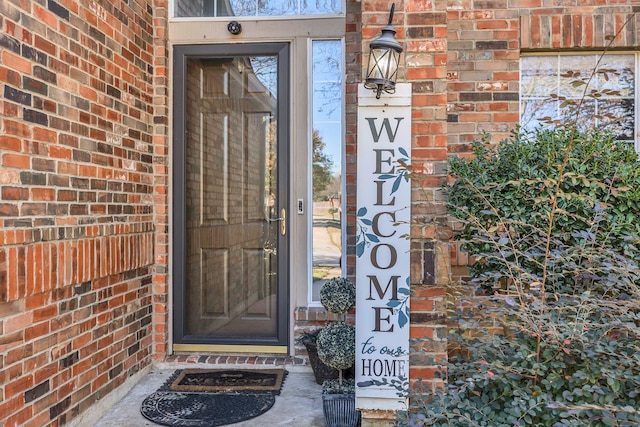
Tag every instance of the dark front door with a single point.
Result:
(230, 196)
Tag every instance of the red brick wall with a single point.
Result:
(79, 172)
(160, 178)
(353, 61)
(482, 72)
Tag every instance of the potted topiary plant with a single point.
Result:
(336, 344)
(321, 371)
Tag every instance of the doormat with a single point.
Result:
(227, 380)
(213, 397)
(170, 408)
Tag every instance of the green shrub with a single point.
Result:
(559, 187)
(552, 220)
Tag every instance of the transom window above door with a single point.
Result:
(266, 8)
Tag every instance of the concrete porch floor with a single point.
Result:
(299, 403)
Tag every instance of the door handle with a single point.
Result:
(283, 221)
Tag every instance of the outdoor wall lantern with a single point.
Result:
(384, 57)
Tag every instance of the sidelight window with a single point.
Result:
(326, 162)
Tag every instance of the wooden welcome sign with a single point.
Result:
(382, 248)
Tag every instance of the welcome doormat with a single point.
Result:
(227, 380)
(213, 397)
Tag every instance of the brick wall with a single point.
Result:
(482, 72)
(160, 179)
(353, 61)
(79, 178)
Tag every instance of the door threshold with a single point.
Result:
(221, 348)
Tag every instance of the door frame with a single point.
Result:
(182, 342)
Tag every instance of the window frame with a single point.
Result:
(173, 17)
(343, 236)
(636, 86)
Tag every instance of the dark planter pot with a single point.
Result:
(320, 370)
(340, 410)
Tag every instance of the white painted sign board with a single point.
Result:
(382, 248)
